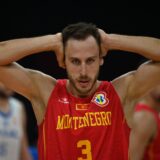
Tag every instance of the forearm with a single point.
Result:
(146, 46)
(136, 147)
(14, 50)
(135, 153)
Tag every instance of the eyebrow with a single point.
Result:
(86, 58)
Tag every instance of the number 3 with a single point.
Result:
(86, 151)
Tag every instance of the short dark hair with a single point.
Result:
(81, 31)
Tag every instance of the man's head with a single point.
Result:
(81, 31)
(82, 51)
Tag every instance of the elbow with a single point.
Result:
(4, 62)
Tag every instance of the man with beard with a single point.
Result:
(145, 133)
(13, 141)
(81, 118)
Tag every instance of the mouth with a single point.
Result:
(83, 83)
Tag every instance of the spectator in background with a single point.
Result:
(13, 140)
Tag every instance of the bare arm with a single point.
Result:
(16, 77)
(148, 47)
(32, 84)
(145, 77)
(133, 84)
(143, 131)
(13, 50)
(26, 82)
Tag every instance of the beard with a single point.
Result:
(83, 91)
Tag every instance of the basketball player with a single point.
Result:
(13, 142)
(145, 133)
(81, 118)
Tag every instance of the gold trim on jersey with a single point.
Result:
(44, 141)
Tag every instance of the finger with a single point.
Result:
(60, 60)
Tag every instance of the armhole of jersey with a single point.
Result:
(115, 92)
(49, 99)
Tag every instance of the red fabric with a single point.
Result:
(97, 132)
(153, 150)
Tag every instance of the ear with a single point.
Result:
(64, 64)
(101, 61)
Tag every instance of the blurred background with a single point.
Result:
(40, 17)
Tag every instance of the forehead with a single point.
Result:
(87, 47)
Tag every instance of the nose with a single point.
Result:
(83, 69)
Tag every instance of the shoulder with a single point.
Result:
(121, 84)
(44, 85)
(143, 79)
(41, 77)
(130, 86)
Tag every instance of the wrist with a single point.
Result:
(107, 41)
(51, 42)
(112, 40)
(56, 40)
(117, 42)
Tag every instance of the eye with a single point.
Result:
(90, 60)
(75, 61)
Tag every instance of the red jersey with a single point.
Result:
(152, 151)
(91, 128)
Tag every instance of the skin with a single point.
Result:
(82, 65)
(79, 65)
(144, 125)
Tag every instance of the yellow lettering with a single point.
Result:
(86, 120)
(98, 119)
(91, 114)
(75, 122)
(89, 119)
(81, 125)
(109, 115)
(103, 117)
(60, 123)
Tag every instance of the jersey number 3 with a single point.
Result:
(85, 150)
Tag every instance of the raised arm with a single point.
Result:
(148, 47)
(132, 86)
(34, 85)
(21, 79)
(13, 50)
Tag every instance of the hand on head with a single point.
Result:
(59, 50)
(104, 42)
